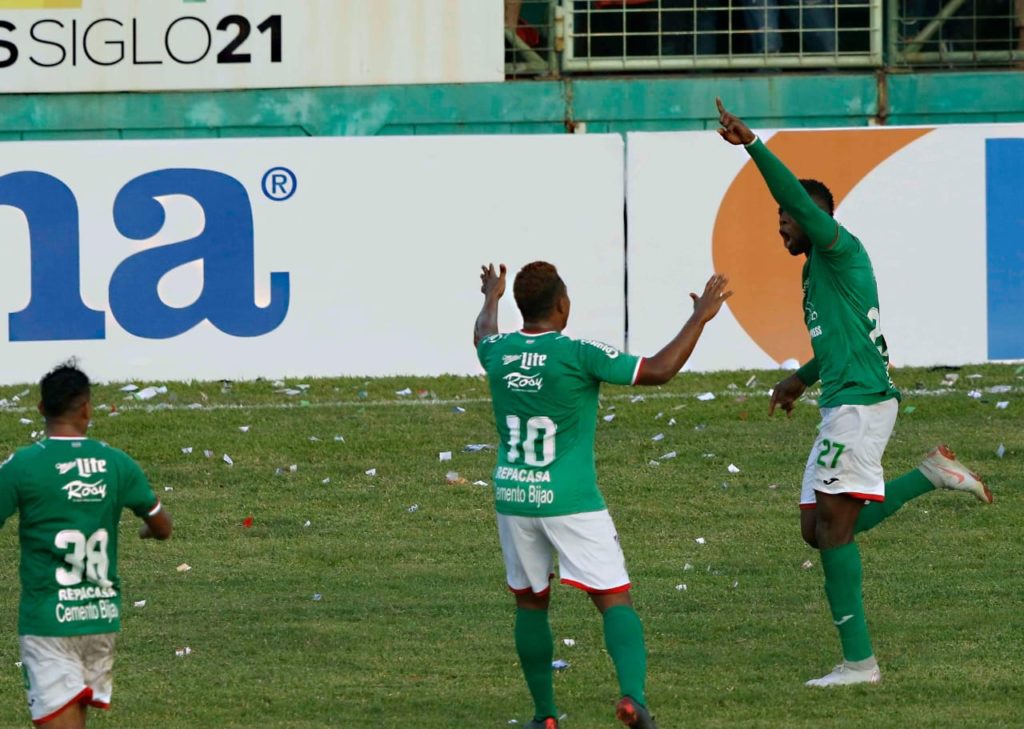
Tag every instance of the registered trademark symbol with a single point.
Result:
(279, 184)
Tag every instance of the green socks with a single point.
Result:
(897, 493)
(624, 638)
(843, 579)
(535, 647)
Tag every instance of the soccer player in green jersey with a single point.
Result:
(843, 491)
(69, 491)
(544, 386)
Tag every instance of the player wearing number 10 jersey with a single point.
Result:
(544, 386)
(69, 491)
(844, 492)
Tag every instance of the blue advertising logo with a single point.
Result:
(56, 311)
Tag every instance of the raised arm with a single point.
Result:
(493, 288)
(821, 228)
(663, 366)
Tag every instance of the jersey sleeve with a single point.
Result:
(607, 364)
(137, 494)
(8, 491)
(484, 349)
(821, 228)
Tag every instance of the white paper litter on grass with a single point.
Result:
(184, 567)
(294, 468)
(148, 393)
(705, 396)
(1000, 451)
(25, 421)
(480, 483)
(307, 524)
(659, 416)
(182, 652)
(168, 488)
(732, 469)
(569, 642)
(808, 564)
(326, 480)
(669, 456)
(687, 567)
(129, 388)
(476, 447)
(290, 392)
(403, 392)
(244, 428)
(1002, 404)
(187, 450)
(228, 460)
(637, 398)
(608, 418)
(672, 422)
(681, 587)
(317, 597)
(773, 486)
(371, 472)
(700, 540)
(998, 389)
(413, 509)
(559, 665)
(458, 409)
(195, 406)
(208, 454)
(652, 462)
(339, 439)
(752, 381)
(139, 604)
(659, 436)
(313, 439)
(444, 456)
(974, 394)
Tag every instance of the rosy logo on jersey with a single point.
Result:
(523, 383)
(82, 491)
(746, 242)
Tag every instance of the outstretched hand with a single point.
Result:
(492, 283)
(733, 130)
(708, 304)
(786, 393)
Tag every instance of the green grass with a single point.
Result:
(414, 625)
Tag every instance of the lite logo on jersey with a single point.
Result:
(83, 492)
(507, 359)
(224, 248)
(521, 382)
(532, 359)
(85, 466)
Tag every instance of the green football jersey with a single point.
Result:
(544, 388)
(840, 297)
(69, 493)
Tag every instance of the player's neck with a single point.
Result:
(542, 326)
(63, 430)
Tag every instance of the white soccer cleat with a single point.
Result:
(945, 471)
(843, 675)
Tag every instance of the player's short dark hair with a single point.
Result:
(63, 388)
(537, 288)
(821, 194)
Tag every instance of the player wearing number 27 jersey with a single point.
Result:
(69, 492)
(544, 387)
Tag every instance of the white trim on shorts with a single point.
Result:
(589, 555)
(864, 432)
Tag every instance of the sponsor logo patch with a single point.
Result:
(84, 492)
(523, 383)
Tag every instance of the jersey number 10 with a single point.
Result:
(534, 427)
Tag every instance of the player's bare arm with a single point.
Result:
(663, 366)
(159, 526)
(492, 286)
(821, 229)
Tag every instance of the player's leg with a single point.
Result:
(528, 563)
(54, 681)
(939, 469)
(590, 558)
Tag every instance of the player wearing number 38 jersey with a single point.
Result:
(69, 492)
(544, 386)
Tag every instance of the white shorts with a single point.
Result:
(589, 555)
(847, 454)
(62, 671)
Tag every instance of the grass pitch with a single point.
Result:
(413, 626)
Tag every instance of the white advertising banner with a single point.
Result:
(939, 211)
(329, 256)
(146, 45)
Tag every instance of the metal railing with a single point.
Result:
(956, 33)
(549, 37)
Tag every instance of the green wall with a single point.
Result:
(523, 107)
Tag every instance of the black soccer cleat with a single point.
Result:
(633, 714)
